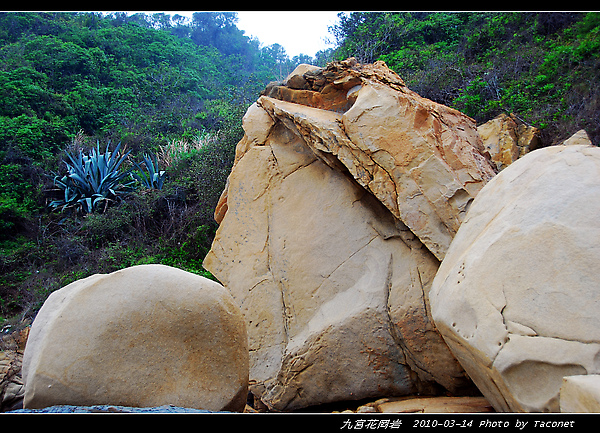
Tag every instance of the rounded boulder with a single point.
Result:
(144, 336)
(517, 297)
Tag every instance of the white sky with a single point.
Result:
(299, 32)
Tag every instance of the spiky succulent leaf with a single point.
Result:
(154, 178)
(92, 180)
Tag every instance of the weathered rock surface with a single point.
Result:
(507, 139)
(427, 405)
(517, 296)
(12, 388)
(422, 160)
(579, 138)
(346, 190)
(144, 336)
(580, 394)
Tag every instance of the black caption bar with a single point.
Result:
(351, 422)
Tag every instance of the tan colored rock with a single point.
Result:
(257, 125)
(11, 384)
(580, 394)
(580, 138)
(316, 299)
(11, 359)
(296, 79)
(431, 405)
(528, 138)
(506, 139)
(422, 160)
(426, 155)
(317, 244)
(144, 336)
(517, 296)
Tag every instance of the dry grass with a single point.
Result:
(170, 153)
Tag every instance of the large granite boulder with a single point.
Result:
(144, 336)
(517, 297)
(346, 190)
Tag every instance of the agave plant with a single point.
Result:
(93, 180)
(154, 178)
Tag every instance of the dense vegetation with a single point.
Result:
(163, 87)
(153, 96)
(543, 67)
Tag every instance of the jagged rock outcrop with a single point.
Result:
(506, 139)
(422, 160)
(516, 297)
(346, 191)
(12, 388)
(144, 336)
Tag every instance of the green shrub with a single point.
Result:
(37, 138)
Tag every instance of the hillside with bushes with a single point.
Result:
(150, 107)
(73, 87)
(542, 66)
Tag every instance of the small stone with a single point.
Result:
(579, 138)
(366, 409)
(580, 394)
